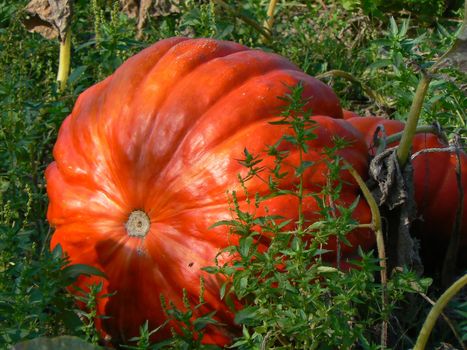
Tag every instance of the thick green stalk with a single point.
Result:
(64, 62)
(422, 129)
(403, 150)
(404, 147)
(436, 311)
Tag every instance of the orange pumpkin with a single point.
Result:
(145, 160)
(435, 180)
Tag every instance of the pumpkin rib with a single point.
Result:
(68, 145)
(156, 66)
(187, 134)
(78, 128)
(200, 169)
(147, 54)
(137, 68)
(435, 191)
(264, 78)
(430, 185)
(197, 120)
(241, 126)
(155, 116)
(122, 185)
(70, 205)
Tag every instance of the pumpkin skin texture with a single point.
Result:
(143, 164)
(346, 114)
(435, 182)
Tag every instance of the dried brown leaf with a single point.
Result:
(130, 7)
(143, 13)
(166, 7)
(392, 188)
(141, 9)
(50, 18)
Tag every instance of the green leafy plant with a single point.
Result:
(88, 314)
(293, 297)
(424, 9)
(190, 329)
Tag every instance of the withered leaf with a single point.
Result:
(154, 8)
(392, 188)
(130, 7)
(143, 12)
(50, 18)
(141, 9)
(166, 7)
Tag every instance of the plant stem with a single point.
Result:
(258, 27)
(436, 311)
(403, 150)
(336, 73)
(270, 20)
(377, 227)
(446, 319)
(64, 61)
(422, 129)
(300, 198)
(376, 220)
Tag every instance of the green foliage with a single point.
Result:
(33, 302)
(385, 57)
(382, 52)
(109, 41)
(424, 9)
(88, 312)
(398, 56)
(295, 296)
(462, 312)
(189, 332)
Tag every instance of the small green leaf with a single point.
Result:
(57, 252)
(203, 321)
(302, 167)
(245, 245)
(394, 28)
(73, 271)
(223, 223)
(222, 290)
(76, 73)
(210, 269)
(246, 315)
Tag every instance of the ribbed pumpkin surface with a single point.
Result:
(144, 163)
